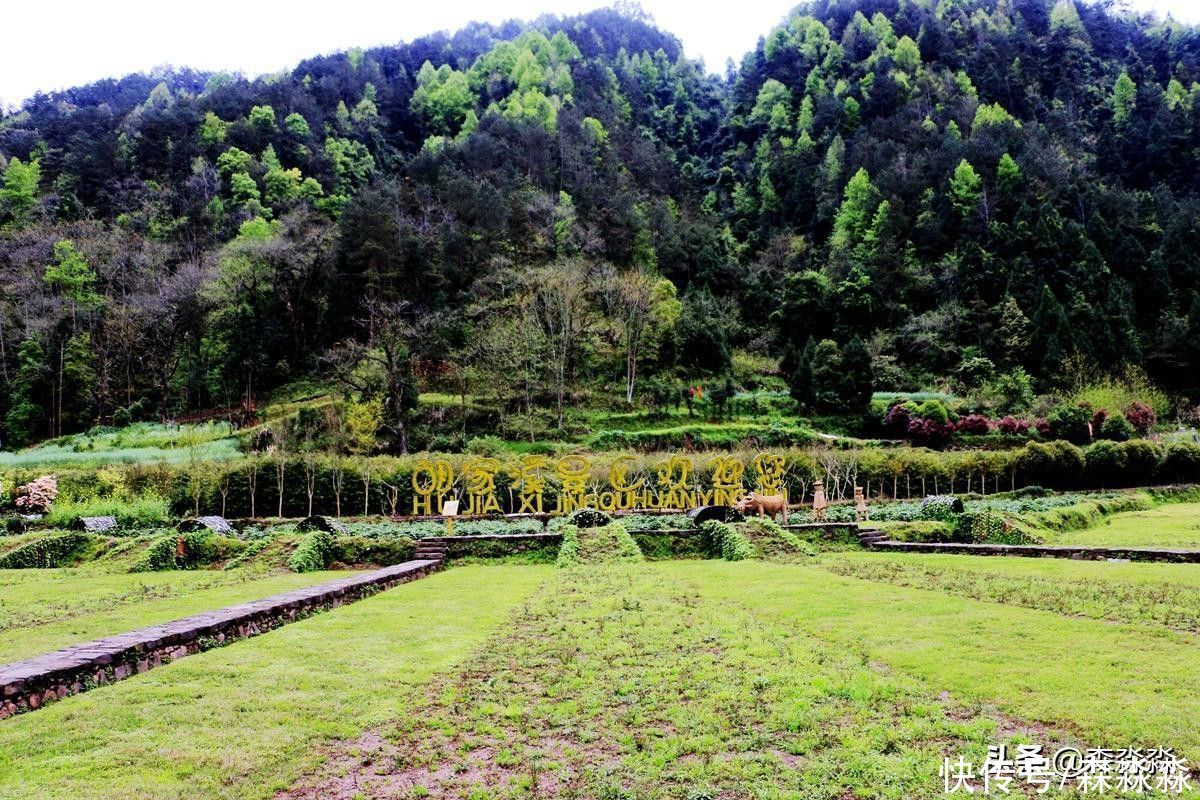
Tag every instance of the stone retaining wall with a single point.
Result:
(29, 685)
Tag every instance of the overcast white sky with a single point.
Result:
(55, 44)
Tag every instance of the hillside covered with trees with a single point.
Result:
(993, 195)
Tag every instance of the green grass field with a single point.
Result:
(682, 679)
(1170, 525)
(44, 610)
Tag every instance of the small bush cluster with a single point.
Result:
(142, 511)
(313, 552)
(940, 508)
(361, 550)
(188, 550)
(731, 543)
(933, 424)
(590, 518)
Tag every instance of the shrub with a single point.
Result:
(1181, 462)
(36, 496)
(590, 518)
(1117, 428)
(934, 411)
(52, 551)
(940, 508)
(485, 446)
(1071, 422)
(929, 432)
(1141, 417)
(1142, 458)
(1051, 463)
(898, 416)
(1068, 461)
(363, 550)
(145, 510)
(1106, 462)
(187, 551)
(1013, 426)
(728, 541)
(313, 552)
(974, 424)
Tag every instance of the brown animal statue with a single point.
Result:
(763, 505)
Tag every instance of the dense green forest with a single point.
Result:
(885, 194)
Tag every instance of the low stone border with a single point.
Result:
(1046, 551)
(29, 685)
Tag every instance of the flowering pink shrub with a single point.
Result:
(36, 496)
(974, 423)
(1141, 416)
(1013, 426)
(1043, 426)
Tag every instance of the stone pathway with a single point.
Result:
(29, 685)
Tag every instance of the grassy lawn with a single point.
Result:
(44, 610)
(751, 679)
(1165, 594)
(1170, 525)
(1113, 684)
(630, 682)
(242, 721)
(683, 679)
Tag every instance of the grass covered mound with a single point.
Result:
(727, 541)
(773, 541)
(606, 544)
(755, 538)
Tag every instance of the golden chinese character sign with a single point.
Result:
(676, 483)
(431, 480)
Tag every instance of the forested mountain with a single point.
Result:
(955, 190)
